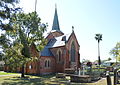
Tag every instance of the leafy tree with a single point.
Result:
(19, 32)
(98, 37)
(0, 56)
(109, 59)
(7, 7)
(116, 51)
(26, 29)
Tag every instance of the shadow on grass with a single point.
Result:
(24, 81)
(35, 81)
(39, 80)
(46, 76)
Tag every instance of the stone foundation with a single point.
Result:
(80, 79)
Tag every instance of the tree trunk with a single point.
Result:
(22, 73)
(99, 60)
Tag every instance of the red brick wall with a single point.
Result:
(43, 69)
(38, 67)
(49, 36)
(57, 34)
(59, 65)
(67, 64)
(33, 69)
(34, 64)
(68, 46)
(34, 51)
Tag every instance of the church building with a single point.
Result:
(60, 53)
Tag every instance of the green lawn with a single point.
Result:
(5, 73)
(42, 80)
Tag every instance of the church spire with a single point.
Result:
(56, 21)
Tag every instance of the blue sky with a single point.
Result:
(88, 18)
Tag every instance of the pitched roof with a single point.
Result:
(54, 42)
(46, 52)
(58, 41)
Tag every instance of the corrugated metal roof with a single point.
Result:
(54, 42)
(46, 52)
(58, 41)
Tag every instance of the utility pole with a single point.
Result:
(35, 4)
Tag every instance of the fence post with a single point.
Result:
(108, 78)
(115, 76)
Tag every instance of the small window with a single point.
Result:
(72, 52)
(47, 63)
(59, 55)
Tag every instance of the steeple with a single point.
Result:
(56, 21)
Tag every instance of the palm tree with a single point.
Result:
(98, 37)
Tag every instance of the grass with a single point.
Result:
(28, 80)
(5, 73)
(43, 80)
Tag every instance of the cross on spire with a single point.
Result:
(55, 6)
(72, 28)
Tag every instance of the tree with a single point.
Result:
(109, 59)
(116, 51)
(25, 30)
(85, 61)
(98, 37)
(0, 56)
(7, 7)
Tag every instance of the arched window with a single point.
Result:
(72, 52)
(47, 63)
